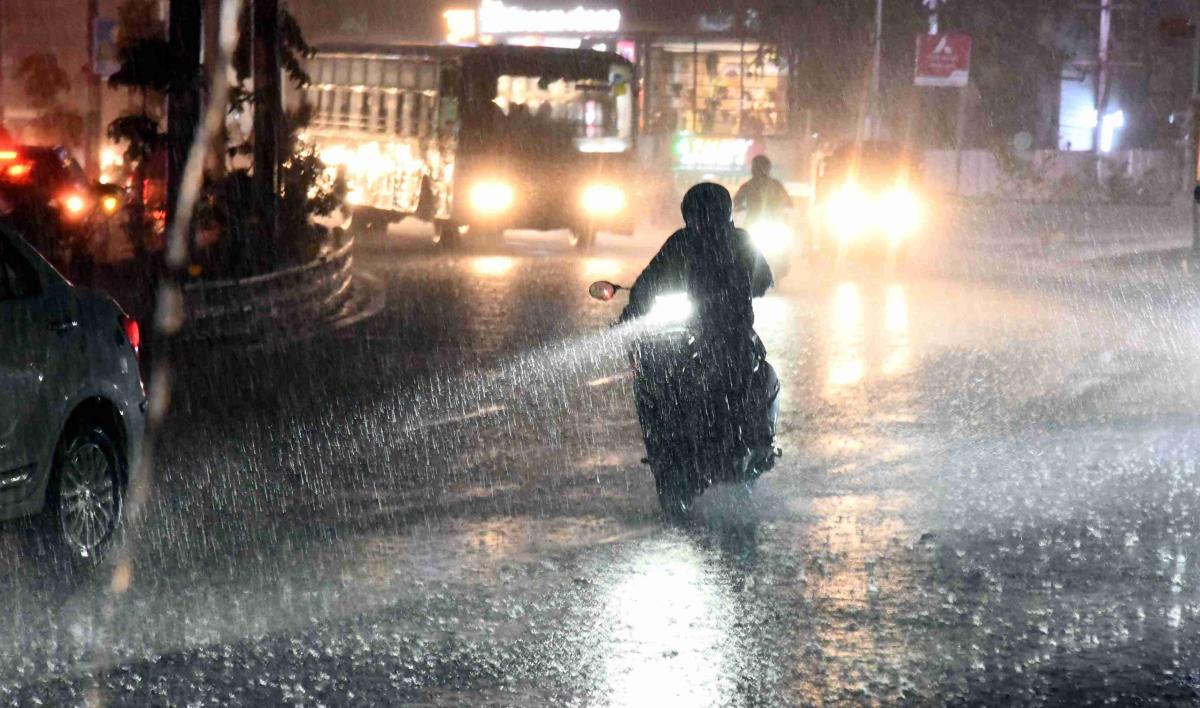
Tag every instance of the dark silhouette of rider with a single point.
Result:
(762, 196)
(722, 271)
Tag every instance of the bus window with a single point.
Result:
(312, 99)
(354, 119)
(596, 114)
(451, 86)
(428, 77)
(381, 112)
(366, 120)
(392, 100)
(408, 75)
(408, 112)
(345, 108)
(325, 109)
(428, 117)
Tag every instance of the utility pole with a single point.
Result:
(873, 114)
(91, 122)
(2, 97)
(1195, 146)
(268, 114)
(933, 15)
(212, 49)
(1102, 67)
(183, 105)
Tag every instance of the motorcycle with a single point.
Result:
(687, 404)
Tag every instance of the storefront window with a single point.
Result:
(714, 88)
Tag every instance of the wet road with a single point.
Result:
(989, 496)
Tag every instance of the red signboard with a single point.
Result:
(943, 60)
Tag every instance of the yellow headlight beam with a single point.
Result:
(491, 197)
(600, 199)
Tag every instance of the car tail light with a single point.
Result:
(133, 333)
(6, 155)
(17, 171)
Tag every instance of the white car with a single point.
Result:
(72, 406)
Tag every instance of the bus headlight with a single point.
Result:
(603, 199)
(770, 237)
(491, 197)
(849, 212)
(901, 212)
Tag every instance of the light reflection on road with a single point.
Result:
(845, 366)
(856, 352)
(896, 341)
(492, 266)
(667, 630)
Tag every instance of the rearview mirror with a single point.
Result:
(603, 290)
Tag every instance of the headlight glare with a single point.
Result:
(901, 212)
(770, 237)
(670, 309)
(600, 199)
(491, 197)
(849, 212)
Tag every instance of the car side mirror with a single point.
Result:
(603, 290)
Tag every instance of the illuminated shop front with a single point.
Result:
(713, 88)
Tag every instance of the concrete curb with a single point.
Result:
(269, 305)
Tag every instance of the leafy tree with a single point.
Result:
(138, 20)
(45, 83)
(146, 69)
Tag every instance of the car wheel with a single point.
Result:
(447, 236)
(82, 519)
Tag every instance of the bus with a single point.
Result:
(477, 140)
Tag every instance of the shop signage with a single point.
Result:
(943, 60)
(694, 152)
(497, 18)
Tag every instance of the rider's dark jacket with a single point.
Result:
(721, 272)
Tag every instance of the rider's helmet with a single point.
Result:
(707, 205)
(760, 166)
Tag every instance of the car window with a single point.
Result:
(18, 279)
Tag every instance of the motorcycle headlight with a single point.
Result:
(600, 199)
(849, 212)
(901, 212)
(670, 309)
(491, 197)
(770, 237)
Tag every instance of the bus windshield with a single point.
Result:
(593, 115)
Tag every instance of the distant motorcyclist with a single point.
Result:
(762, 196)
(719, 268)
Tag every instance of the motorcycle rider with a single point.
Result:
(762, 196)
(719, 268)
